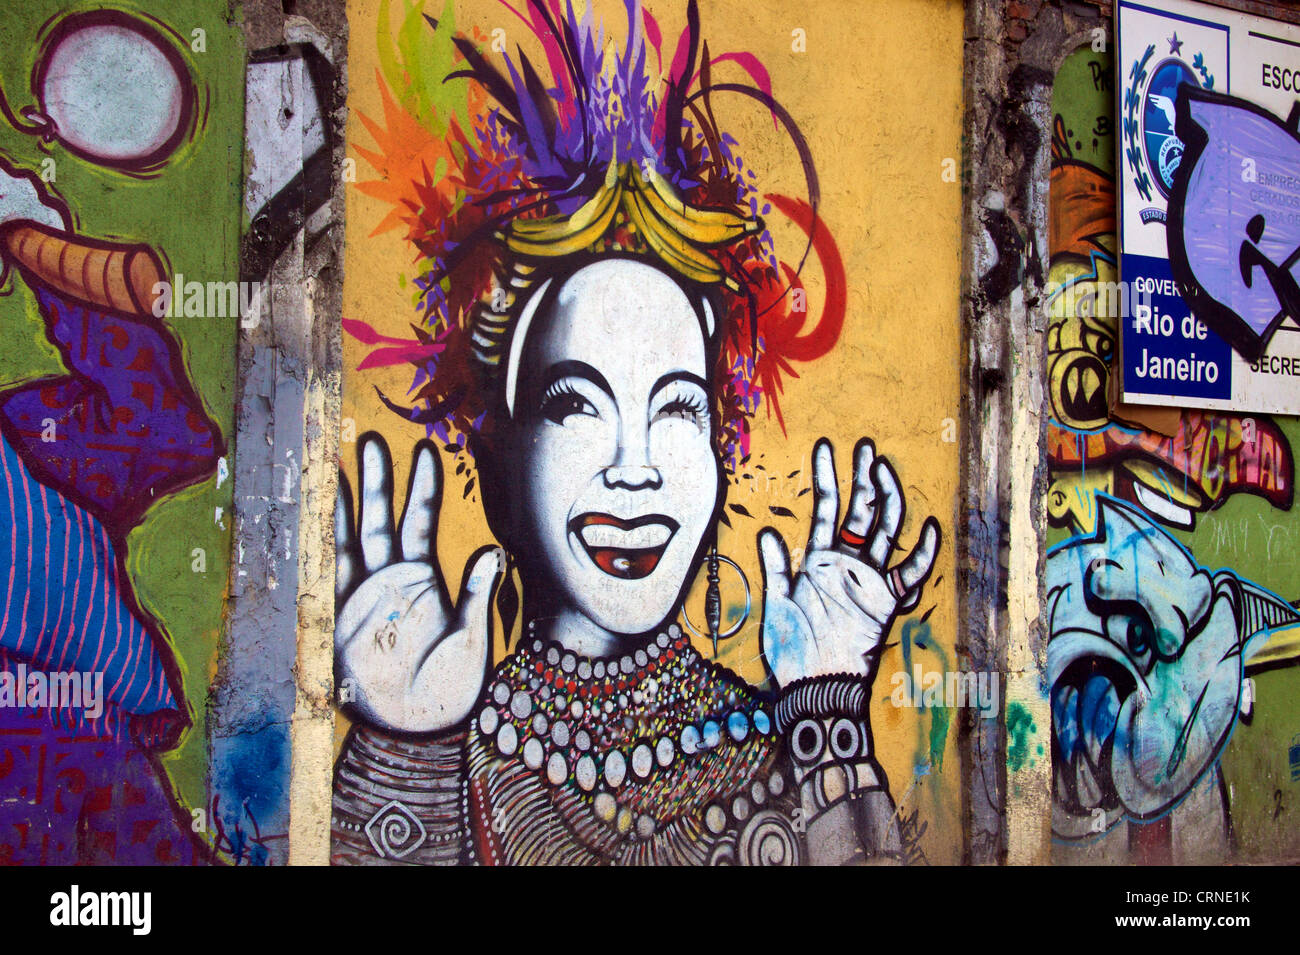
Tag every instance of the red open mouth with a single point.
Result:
(629, 549)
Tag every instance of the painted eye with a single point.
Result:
(561, 403)
(844, 739)
(1099, 344)
(677, 409)
(692, 408)
(1139, 637)
(1133, 631)
(807, 741)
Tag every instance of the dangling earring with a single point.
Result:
(713, 601)
(508, 601)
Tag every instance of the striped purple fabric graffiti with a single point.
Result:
(64, 605)
(82, 456)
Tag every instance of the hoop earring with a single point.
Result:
(713, 602)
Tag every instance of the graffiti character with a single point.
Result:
(1146, 664)
(624, 314)
(83, 455)
(1147, 649)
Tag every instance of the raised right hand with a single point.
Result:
(405, 658)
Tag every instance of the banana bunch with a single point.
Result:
(557, 236)
(675, 232)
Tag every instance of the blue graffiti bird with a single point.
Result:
(1145, 662)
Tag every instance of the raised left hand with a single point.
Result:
(833, 614)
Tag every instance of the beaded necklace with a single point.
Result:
(654, 734)
(592, 718)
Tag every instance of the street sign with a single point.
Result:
(1209, 218)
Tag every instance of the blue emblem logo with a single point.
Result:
(1162, 147)
(1153, 150)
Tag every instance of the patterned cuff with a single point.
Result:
(842, 790)
(825, 696)
(400, 800)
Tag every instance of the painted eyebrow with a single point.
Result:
(666, 380)
(576, 369)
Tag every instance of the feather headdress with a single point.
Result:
(619, 151)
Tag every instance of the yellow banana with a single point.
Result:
(679, 254)
(555, 228)
(555, 236)
(676, 232)
(700, 226)
(558, 229)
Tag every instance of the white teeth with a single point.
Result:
(1162, 507)
(638, 538)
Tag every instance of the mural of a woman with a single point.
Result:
(599, 374)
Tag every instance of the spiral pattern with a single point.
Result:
(724, 852)
(394, 831)
(769, 839)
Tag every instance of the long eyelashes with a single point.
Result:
(689, 407)
(561, 400)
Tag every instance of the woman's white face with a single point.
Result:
(618, 471)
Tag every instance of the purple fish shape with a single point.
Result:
(1234, 217)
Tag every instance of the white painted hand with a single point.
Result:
(406, 659)
(834, 614)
